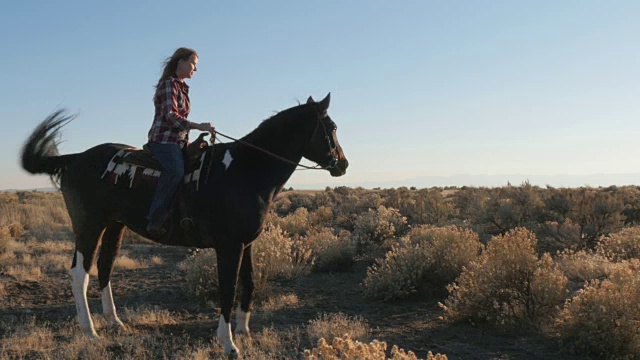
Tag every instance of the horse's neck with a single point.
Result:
(271, 172)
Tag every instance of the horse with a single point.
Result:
(231, 196)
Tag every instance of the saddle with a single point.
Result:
(191, 153)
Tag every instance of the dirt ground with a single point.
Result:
(413, 325)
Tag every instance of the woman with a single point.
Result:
(170, 131)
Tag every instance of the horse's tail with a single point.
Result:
(40, 151)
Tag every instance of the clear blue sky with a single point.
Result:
(419, 88)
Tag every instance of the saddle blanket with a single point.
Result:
(121, 171)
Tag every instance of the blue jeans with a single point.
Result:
(172, 162)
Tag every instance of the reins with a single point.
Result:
(317, 167)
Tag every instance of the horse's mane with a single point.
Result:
(285, 119)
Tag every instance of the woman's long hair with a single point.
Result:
(171, 63)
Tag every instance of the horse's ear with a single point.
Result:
(310, 100)
(324, 104)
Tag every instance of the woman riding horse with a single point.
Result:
(232, 202)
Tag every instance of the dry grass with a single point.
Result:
(329, 326)
(125, 262)
(55, 262)
(281, 301)
(24, 273)
(149, 316)
(50, 246)
(35, 340)
(23, 341)
(5, 240)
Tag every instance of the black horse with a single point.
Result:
(232, 188)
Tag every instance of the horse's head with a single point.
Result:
(324, 148)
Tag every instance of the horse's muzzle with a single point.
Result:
(340, 168)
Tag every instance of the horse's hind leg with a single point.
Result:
(111, 241)
(87, 241)
(246, 278)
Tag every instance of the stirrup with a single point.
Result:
(187, 223)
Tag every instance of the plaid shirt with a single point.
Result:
(170, 124)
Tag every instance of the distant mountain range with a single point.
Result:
(48, 189)
(560, 180)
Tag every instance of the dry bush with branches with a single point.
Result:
(345, 348)
(602, 319)
(331, 252)
(622, 245)
(377, 227)
(428, 256)
(509, 284)
(583, 265)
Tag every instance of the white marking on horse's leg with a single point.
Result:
(225, 337)
(108, 307)
(242, 321)
(79, 286)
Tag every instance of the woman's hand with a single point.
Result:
(205, 126)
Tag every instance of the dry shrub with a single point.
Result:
(295, 224)
(330, 326)
(622, 245)
(277, 255)
(427, 256)
(378, 227)
(332, 253)
(321, 217)
(344, 348)
(602, 319)
(583, 265)
(201, 278)
(556, 236)
(509, 284)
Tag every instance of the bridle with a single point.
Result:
(333, 148)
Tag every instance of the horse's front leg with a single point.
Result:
(244, 309)
(229, 259)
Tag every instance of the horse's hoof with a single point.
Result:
(233, 354)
